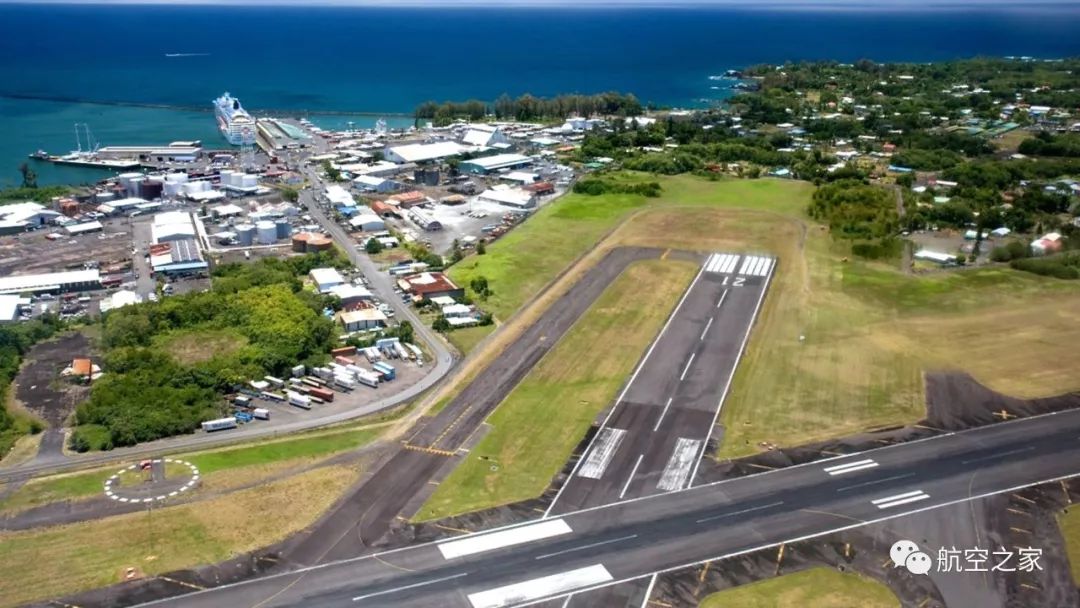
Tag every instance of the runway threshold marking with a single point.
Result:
(452, 549)
(679, 464)
(631, 478)
(407, 587)
(610, 541)
(543, 587)
(900, 499)
(607, 442)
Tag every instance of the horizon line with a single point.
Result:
(795, 5)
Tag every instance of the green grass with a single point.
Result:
(198, 345)
(816, 588)
(466, 339)
(84, 485)
(536, 428)
(519, 264)
(1070, 530)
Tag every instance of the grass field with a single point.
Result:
(816, 588)
(56, 561)
(258, 457)
(196, 346)
(545, 416)
(1070, 530)
(465, 340)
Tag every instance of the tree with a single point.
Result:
(290, 194)
(479, 285)
(481, 248)
(29, 176)
(332, 172)
(404, 332)
(440, 324)
(373, 246)
(455, 252)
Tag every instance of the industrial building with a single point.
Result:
(177, 257)
(175, 152)
(10, 308)
(423, 220)
(172, 226)
(370, 183)
(361, 319)
(489, 164)
(75, 280)
(123, 205)
(84, 228)
(511, 197)
(407, 199)
(339, 196)
(418, 153)
(326, 279)
(427, 285)
(383, 210)
(366, 220)
(28, 215)
(351, 295)
(484, 136)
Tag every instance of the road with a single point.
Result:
(636, 538)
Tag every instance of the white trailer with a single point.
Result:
(219, 425)
(402, 351)
(297, 371)
(372, 354)
(344, 382)
(368, 379)
(301, 401)
(261, 413)
(276, 382)
(324, 373)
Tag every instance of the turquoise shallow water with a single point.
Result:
(389, 60)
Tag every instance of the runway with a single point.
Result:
(635, 538)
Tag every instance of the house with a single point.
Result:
(361, 319)
(326, 279)
(407, 199)
(427, 285)
(1050, 242)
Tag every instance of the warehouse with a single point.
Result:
(76, 280)
(361, 319)
(226, 210)
(326, 279)
(511, 197)
(351, 295)
(370, 183)
(366, 220)
(407, 199)
(33, 215)
(488, 164)
(383, 210)
(9, 308)
(418, 153)
(172, 226)
(84, 228)
(339, 196)
(427, 285)
(177, 258)
(484, 136)
(423, 220)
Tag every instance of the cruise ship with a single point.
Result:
(235, 123)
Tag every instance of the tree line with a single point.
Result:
(530, 108)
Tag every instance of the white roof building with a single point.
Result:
(523, 177)
(120, 299)
(511, 197)
(33, 214)
(416, 153)
(339, 196)
(484, 136)
(326, 279)
(367, 220)
(9, 308)
(226, 210)
(172, 226)
(53, 281)
(83, 228)
(350, 294)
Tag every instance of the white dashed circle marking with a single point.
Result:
(114, 493)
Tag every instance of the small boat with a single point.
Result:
(40, 155)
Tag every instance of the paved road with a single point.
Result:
(366, 515)
(635, 538)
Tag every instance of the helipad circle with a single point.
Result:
(141, 495)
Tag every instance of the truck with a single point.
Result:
(219, 425)
(404, 354)
(324, 373)
(416, 351)
(344, 382)
(276, 382)
(300, 401)
(367, 379)
(385, 369)
(321, 393)
(272, 396)
(243, 417)
(297, 371)
(242, 400)
(261, 413)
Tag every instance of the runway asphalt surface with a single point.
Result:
(354, 527)
(635, 538)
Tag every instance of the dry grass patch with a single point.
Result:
(191, 347)
(538, 424)
(816, 588)
(57, 561)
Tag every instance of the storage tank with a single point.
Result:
(300, 242)
(177, 178)
(249, 181)
(237, 179)
(151, 189)
(172, 189)
(134, 186)
(318, 242)
(266, 232)
(284, 229)
(245, 235)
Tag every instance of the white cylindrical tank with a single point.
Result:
(226, 177)
(236, 179)
(245, 235)
(267, 232)
(178, 178)
(172, 189)
(249, 181)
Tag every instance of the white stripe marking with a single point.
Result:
(662, 414)
(589, 546)
(767, 267)
(868, 465)
(758, 508)
(721, 300)
(678, 465)
(603, 450)
(507, 538)
(746, 264)
(731, 264)
(850, 466)
(891, 498)
(756, 266)
(537, 588)
(413, 586)
(631, 478)
(706, 330)
(902, 501)
(687, 368)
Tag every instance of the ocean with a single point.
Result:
(67, 64)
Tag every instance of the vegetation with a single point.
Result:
(38, 194)
(817, 587)
(593, 186)
(529, 108)
(15, 341)
(545, 416)
(258, 313)
(1046, 144)
(1069, 522)
(1065, 266)
(855, 210)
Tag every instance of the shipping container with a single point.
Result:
(344, 382)
(325, 373)
(242, 400)
(321, 393)
(272, 396)
(372, 354)
(316, 400)
(344, 351)
(243, 417)
(343, 361)
(385, 369)
(261, 413)
(277, 382)
(297, 371)
(402, 352)
(299, 400)
(219, 424)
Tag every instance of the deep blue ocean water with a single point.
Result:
(388, 60)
